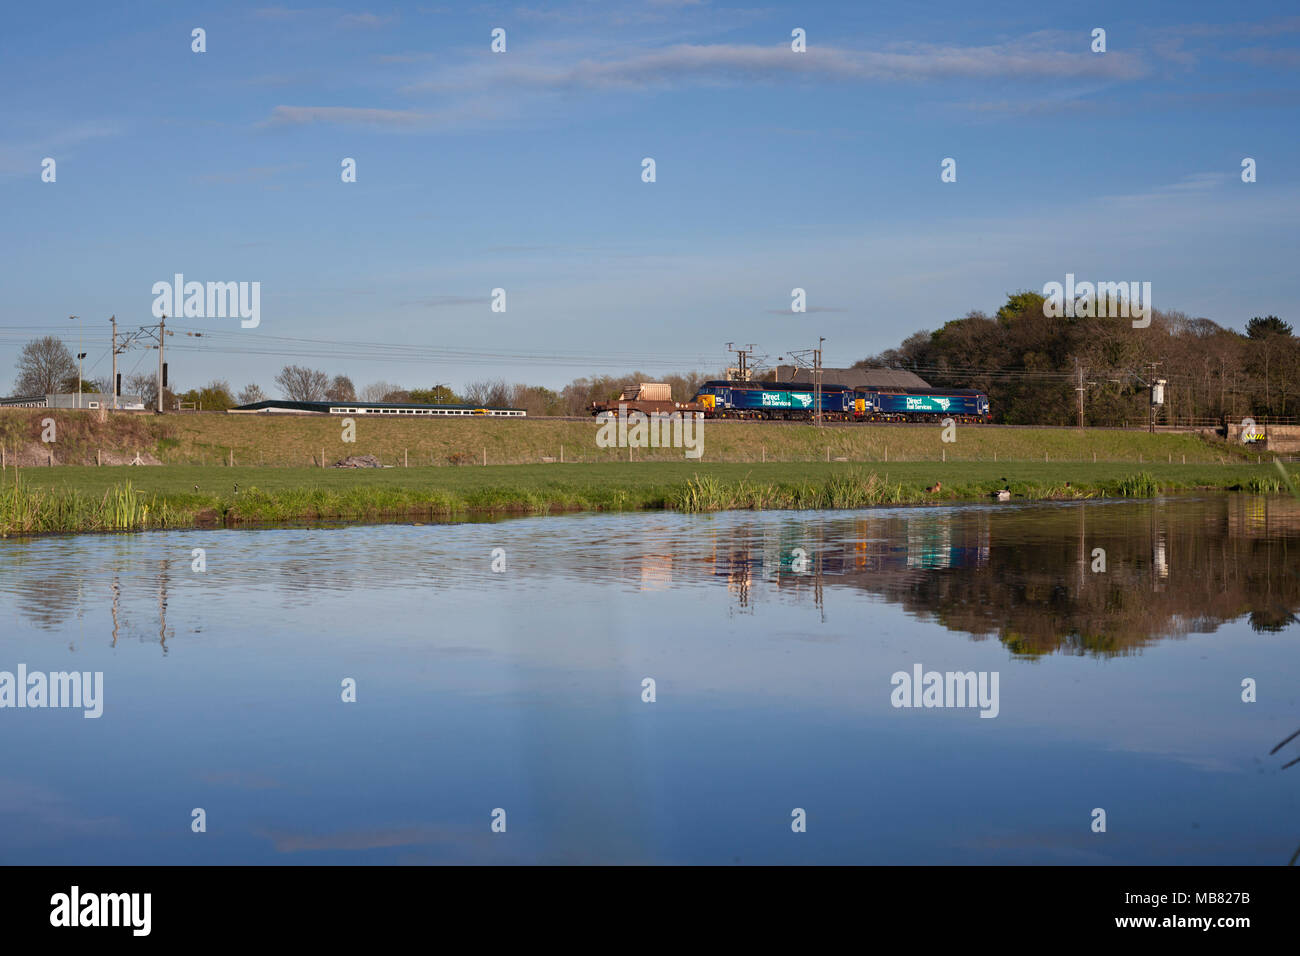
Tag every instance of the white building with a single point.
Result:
(86, 400)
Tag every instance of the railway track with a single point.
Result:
(1160, 429)
(722, 422)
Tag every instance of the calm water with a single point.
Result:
(522, 690)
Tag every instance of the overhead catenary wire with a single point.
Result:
(203, 339)
(237, 343)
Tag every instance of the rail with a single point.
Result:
(1262, 421)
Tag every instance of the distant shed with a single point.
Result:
(854, 377)
(85, 401)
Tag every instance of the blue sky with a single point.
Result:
(522, 170)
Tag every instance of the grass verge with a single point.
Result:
(83, 499)
(291, 441)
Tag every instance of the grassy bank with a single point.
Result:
(95, 499)
(300, 441)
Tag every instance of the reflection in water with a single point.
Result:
(1103, 578)
(1290, 763)
(772, 637)
(1098, 578)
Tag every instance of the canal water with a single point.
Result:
(1138, 663)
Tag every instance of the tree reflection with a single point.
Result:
(1103, 579)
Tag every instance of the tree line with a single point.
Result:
(1030, 365)
(301, 384)
(46, 366)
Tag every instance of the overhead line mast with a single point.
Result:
(743, 356)
(801, 358)
(148, 337)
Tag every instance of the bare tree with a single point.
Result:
(45, 366)
(146, 386)
(341, 390)
(300, 384)
(375, 391)
(251, 394)
(576, 397)
(535, 400)
(487, 393)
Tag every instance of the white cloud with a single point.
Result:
(1264, 57)
(719, 64)
(464, 113)
(1259, 28)
(17, 159)
(347, 115)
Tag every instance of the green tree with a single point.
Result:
(436, 395)
(213, 397)
(1259, 328)
(1019, 304)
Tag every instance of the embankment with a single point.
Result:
(85, 438)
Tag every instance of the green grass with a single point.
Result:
(297, 441)
(74, 498)
(1288, 479)
(33, 509)
(1144, 485)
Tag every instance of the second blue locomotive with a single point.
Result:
(796, 401)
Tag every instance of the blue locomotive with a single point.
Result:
(930, 404)
(796, 401)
